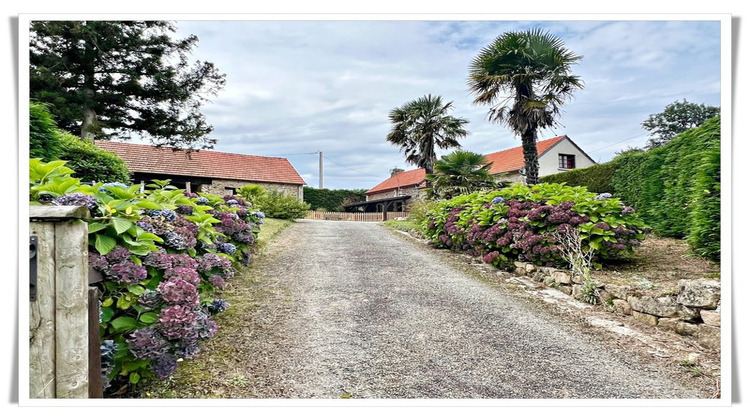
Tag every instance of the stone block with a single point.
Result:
(519, 271)
(712, 318)
(620, 292)
(645, 318)
(565, 289)
(664, 307)
(622, 307)
(530, 268)
(709, 337)
(678, 326)
(538, 276)
(703, 293)
(562, 277)
(577, 279)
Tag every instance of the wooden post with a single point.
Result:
(58, 318)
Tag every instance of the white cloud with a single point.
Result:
(295, 87)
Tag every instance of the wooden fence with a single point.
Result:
(355, 217)
(59, 311)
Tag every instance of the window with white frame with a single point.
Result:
(566, 161)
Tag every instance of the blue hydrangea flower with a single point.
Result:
(232, 202)
(103, 188)
(603, 196)
(497, 200)
(76, 199)
(259, 214)
(218, 305)
(227, 248)
(203, 200)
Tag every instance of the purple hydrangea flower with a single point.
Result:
(150, 300)
(158, 259)
(118, 254)
(218, 281)
(127, 272)
(164, 366)
(184, 209)
(76, 199)
(188, 349)
(187, 274)
(147, 343)
(178, 291)
(177, 322)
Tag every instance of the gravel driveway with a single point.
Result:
(356, 311)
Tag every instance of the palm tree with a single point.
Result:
(525, 78)
(461, 172)
(420, 126)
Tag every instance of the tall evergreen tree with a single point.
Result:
(122, 78)
(525, 78)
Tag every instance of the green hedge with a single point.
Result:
(332, 200)
(676, 187)
(90, 163)
(44, 140)
(597, 178)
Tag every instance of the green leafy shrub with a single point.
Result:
(164, 256)
(419, 210)
(596, 178)
(332, 200)
(520, 223)
(44, 140)
(278, 205)
(90, 163)
(676, 187)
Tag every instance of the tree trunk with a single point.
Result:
(89, 117)
(530, 156)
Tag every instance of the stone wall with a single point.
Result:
(412, 191)
(221, 186)
(694, 310)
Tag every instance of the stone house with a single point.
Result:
(404, 187)
(206, 171)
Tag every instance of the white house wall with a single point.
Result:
(549, 163)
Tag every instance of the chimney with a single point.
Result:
(396, 171)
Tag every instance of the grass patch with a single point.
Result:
(402, 225)
(268, 231)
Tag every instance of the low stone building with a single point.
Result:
(207, 171)
(403, 188)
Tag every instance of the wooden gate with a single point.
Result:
(356, 217)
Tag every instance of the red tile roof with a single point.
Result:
(204, 163)
(502, 161)
(400, 180)
(512, 159)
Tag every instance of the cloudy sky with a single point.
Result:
(296, 87)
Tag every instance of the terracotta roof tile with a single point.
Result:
(502, 161)
(512, 159)
(204, 163)
(403, 179)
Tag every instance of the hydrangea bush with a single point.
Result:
(164, 256)
(519, 223)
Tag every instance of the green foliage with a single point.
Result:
(149, 245)
(132, 77)
(44, 142)
(676, 187)
(522, 223)
(332, 200)
(251, 193)
(420, 209)
(421, 125)
(90, 163)
(461, 172)
(596, 178)
(676, 118)
(278, 205)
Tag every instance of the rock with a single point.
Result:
(561, 277)
(538, 276)
(622, 306)
(519, 264)
(645, 318)
(678, 326)
(530, 268)
(520, 271)
(709, 337)
(620, 292)
(605, 296)
(665, 307)
(712, 318)
(565, 289)
(577, 279)
(703, 293)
